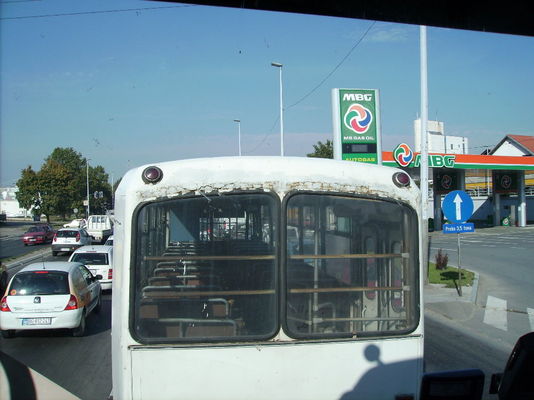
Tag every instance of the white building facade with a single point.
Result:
(438, 141)
(9, 204)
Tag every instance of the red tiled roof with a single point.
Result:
(526, 141)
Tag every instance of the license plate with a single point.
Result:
(36, 321)
(32, 240)
(65, 249)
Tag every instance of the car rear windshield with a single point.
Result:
(91, 258)
(67, 234)
(39, 283)
(35, 229)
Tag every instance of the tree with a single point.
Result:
(323, 150)
(74, 165)
(100, 190)
(56, 189)
(60, 186)
(28, 189)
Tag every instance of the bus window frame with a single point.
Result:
(415, 290)
(184, 341)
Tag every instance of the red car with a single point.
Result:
(38, 234)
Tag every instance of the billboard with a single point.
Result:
(356, 116)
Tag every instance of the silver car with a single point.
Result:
(70, 239)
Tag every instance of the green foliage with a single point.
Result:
(98, 182)
(28, 193)
(323, 150)
(56, 188)
(61, 185)
(449, 276)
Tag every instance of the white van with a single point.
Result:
(99, 260)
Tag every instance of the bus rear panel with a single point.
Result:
(267, 277)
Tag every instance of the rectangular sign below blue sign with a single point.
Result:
(459, 228)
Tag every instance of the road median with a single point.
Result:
(34, 255)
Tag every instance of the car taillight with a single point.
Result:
(72, 304)
(77, 236)
(110, 273)
(3, 304)
(55, 237)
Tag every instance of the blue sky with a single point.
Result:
(128, 82)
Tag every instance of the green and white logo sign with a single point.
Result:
(356, 125)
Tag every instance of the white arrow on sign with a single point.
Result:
(458, 202)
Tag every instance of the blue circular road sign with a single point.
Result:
(457, 206)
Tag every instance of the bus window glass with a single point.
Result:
(346, 246)
(205, 269)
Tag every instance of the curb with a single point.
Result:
(474, 290)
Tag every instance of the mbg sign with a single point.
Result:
(356, 125)
(405, 157)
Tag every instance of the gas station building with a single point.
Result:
(501, 182)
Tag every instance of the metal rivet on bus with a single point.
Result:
(152, 175)
(401, 179)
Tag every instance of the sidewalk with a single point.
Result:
(447, 301)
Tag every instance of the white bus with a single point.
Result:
(267, 278)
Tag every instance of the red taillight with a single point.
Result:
(3, 304)
(72, 304)
(55, 237)
(401, 179)
(77, 236)
(110, 273)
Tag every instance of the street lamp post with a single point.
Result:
(87, 185)
(239, 134)
(278, 65)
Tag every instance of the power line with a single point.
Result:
(320, 83)
(265, 137)
(96, 12)
(335, 68)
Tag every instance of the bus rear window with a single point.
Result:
(351, 267)
(91, 258)
(205, 269)
(33, 283)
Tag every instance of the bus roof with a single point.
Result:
(280, 174)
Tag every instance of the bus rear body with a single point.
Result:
(267, 277)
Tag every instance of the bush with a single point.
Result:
(441, 260)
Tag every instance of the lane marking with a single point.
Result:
(443, 249)
(495, 314)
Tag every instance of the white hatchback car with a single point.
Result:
(69, 239)
(50, 295)
(99, 260)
